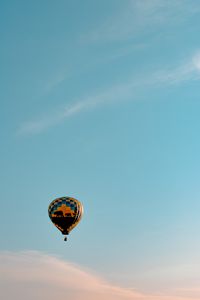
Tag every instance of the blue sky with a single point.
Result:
(100, 101)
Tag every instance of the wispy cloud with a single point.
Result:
(43, 123)
(136, 17)
(48, 277)
(34, 275)
(189, 70)
(130, 19)
(39, 125)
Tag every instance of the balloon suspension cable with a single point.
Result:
(65, 238)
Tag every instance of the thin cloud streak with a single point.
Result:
(37, 126)
(129, 90)
(35, 275)
(137, 17)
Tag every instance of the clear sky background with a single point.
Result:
(100, 100)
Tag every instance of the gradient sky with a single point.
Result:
(100, 100)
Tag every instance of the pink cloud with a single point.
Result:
(34, 275)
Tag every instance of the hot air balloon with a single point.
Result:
(65, 213)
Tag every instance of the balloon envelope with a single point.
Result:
(65, 213)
